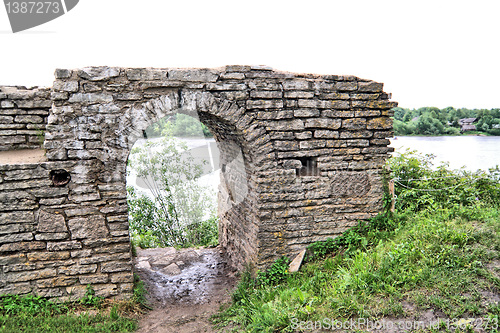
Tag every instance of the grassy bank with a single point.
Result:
(435, 258)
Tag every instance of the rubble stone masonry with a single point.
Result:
(302, 160)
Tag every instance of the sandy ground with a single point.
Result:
(23, 156)
(185, 288)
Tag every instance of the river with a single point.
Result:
(471, 152)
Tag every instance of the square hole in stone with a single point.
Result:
(309, 167)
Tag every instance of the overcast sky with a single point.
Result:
(428, 53)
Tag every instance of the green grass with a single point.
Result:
(438, 254)
(36, 314)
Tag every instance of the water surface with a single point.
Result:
(471, 152)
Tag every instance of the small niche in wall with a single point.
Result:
(309, 167)
(59, 177)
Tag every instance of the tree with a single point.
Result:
(177, 201)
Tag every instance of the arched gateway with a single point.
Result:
(302, 158)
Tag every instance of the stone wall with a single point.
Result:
(23, 115)
(51, 243)
(302, 159)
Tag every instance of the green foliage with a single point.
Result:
(429, 254)
(40, 134)
(434, 121)
(29, 305)
(90, 299)
(31, 313)
(360, 237)
(204, 233)
(180, 125)
(275, 274)
(420, 185)
(174, 215)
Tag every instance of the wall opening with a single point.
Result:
(172, 183)
(309, 167)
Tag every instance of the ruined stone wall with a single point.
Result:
(301, 161)
(53, 245)
(23, 115)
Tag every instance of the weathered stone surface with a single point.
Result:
(110, 267)
(350, 184)
(90, 98)
(91, 227)
(68, 86)
(301, 160)
(62, 246)
(171, 269)
(50, 222)
(78, 269)
(98, 73)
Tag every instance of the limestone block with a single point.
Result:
(323, 123)
(13, 238)
(115, 266)
(30, 275)
(88, 227)
(61, 281)
(379, 123)
(125, 277)
(62, 246)
(94, 278)
(6, 104)
(16, 217)
(370, 86)
(297, 85)
(51, 222)
(306, 113)
(90, 98)
(145, 74)
(16, 289)
(354, 123)
(265, 104)
(350, 184)
(42, 256)
(346, 85)
(57, 96)
(62, 73)
(299, 94)
(78, 269)
(192, 75)
(98, 73)
(67, 86)
(12, 259)
(304, 135)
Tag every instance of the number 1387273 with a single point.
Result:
(33, 7)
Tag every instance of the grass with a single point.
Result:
(431, 261)
(90, 314)
(440, 253)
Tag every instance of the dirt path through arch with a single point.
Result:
(185, 287)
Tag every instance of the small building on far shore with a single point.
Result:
(466, 124)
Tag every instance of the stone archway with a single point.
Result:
(236, 218)
(302, 161)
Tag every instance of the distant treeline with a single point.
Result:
(434, 121)
(179, 125)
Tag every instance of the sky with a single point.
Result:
(427, 53)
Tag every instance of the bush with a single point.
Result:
(420, 185)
